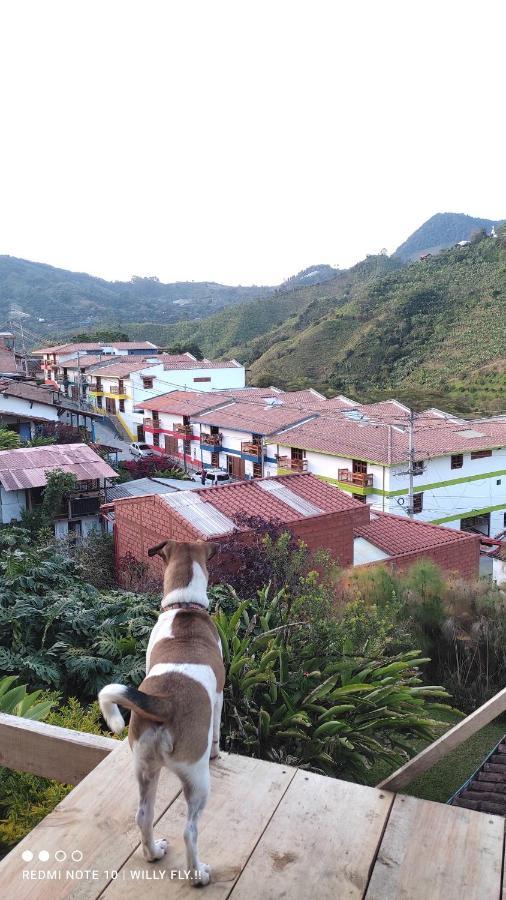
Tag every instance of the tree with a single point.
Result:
(9, 440)
(101, 335)
(186, 347)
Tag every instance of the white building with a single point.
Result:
(119, 387)
(53, 359)
(459, 466)
(24, 406)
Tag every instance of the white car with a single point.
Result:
(141, 451)
(213, 476)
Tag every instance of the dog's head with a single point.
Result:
(179, 558)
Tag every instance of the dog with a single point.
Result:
(176, 712)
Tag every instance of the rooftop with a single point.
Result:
(121, 367)
(145, 487)
(395, 535)
(84, 361)
(188, 361)
(183, 403)
(90, 347)
(26, 391)
(27, 467)
(255, 417)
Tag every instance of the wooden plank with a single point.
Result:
(438, 851)
(244, 795)
(97, 819)
(445, 744)
(48, 750)
(321, 842)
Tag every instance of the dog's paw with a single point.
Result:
(201, 876)
(158, 850)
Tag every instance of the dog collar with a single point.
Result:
(182, 604)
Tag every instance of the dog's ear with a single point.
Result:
(211, 549)
(162, 550)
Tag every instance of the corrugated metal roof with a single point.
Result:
(295, 501)
(27, 467)
(204, 517)
(144, 487)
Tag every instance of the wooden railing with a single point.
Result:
(361, 479)
(252, 448)
(185, 430)
(212, 440)
(50, 751)
(445, 744)
(297, 465)
(117, 389)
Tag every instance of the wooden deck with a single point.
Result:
(269, 831)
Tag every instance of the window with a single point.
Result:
(481, 454)
(122, 406)
(156, 440)
(201, 379)
(457, 461)
(418, 467)
(147, 383)
(215, 460)
(417, 503)
(359, 466)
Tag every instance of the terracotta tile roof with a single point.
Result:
(386, 444)
(122, 368)
(187, 361)
(25, 391)
(254, 418)
(91, 346)
(339, 402)
(8, 364)
(183, 403)
(84, 361)
(27, 466)
(247, 498)
(396, 535)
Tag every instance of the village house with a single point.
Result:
(459, 466)
(223, 429)
(24, 407)
(11, 362)
(23, 476)
(317, 513)
(54, 359)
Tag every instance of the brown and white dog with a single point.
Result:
(176, 712)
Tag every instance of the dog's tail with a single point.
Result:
(148, 706)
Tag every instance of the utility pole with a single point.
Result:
(411, 445)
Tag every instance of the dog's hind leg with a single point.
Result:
(147, 771)
(218, 705)
(196, 790)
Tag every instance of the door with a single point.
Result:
(140, 434)
(110, 405)
(235, 466)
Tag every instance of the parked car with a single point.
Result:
(142, 451)
(213, 476)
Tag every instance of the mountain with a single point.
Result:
(430, 332)
(69, 301)
(441, 231)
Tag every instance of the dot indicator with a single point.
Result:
(43, 855)
(60, 856)
(77, 855)
(27, 855)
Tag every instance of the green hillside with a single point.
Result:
(441, 231)
(430, 332)
(71, 301)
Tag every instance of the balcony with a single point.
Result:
(152, 425)
(184, 430)
(296, 465)
(84, 506)
(251, 448)
(95, 392)
(359, 479)
(117, 391)
(211, 440)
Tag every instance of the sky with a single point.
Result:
(243, 141)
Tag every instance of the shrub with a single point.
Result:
(9, 440)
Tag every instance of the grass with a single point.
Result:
(441, 781)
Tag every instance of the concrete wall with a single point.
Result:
(12, 504)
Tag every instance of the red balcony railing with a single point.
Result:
(361, 479)
(296, 465)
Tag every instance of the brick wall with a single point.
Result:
(462, 557)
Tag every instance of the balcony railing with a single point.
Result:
(211, 440)
(84, 506)
(152, 424)
(296, 465)
(360, 479)
(252, 448)
(115, 389)
(183, 430)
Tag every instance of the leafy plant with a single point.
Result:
(9, 440)
(16, 701)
